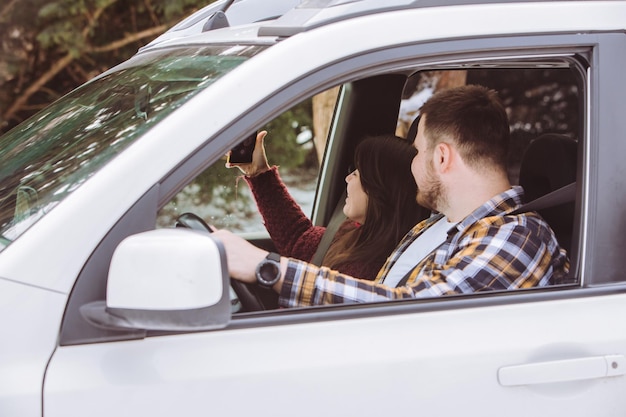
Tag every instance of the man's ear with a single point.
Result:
(443, 157)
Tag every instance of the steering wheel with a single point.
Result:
(245, 292)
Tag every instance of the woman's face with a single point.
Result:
(356, 201)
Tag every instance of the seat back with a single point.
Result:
(548, 164)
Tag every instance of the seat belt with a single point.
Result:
(336, 220)
(565, 194)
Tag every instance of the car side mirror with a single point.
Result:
(165, 279)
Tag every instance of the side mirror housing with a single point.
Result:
(165, 279)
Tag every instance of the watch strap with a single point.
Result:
(273, 256)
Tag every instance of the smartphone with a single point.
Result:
(242, 153)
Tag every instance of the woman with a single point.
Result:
(380, 207)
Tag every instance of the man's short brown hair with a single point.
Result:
(475, 119)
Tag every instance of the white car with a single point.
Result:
(108, 309)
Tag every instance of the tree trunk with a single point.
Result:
(323, 108)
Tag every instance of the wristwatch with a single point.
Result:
(268, 270)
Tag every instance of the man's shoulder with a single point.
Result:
(521, 223)
(526, 232)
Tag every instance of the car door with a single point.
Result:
(525, 353)
(388, 362)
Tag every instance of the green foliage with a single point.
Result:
(173, 9)
(62, 24)
(62, 9)
(36, 34)
(62, 35)
(282, 133)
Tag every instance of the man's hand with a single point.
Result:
(242, 256)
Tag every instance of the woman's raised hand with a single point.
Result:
(259, 163)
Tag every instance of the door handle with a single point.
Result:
(562, 370)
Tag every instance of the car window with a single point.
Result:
(544, 105)
(539, 101)
(295, 142)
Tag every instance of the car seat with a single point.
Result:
(412, 131)
(548, 164)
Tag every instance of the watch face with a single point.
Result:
(269, 271)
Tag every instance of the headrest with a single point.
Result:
(548, 164)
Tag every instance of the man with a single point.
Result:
(472, 245)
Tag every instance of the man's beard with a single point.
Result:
(431, 196)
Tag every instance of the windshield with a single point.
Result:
(48, 156)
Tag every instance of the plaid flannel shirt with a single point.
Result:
(488, 250)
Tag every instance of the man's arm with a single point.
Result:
(493, 254)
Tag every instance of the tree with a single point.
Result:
(49, 47)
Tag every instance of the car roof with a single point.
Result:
(284, 18)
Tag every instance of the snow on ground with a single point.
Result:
(241, 214)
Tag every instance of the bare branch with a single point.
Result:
(153, 16)
(93, 20)
(4, 13)
(19, 103)
(130, 38)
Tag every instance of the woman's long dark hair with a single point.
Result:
(384, 164)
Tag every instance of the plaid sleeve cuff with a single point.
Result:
(299, 284)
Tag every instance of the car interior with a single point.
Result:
(543, 157)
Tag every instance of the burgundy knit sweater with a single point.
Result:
(293, 234)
